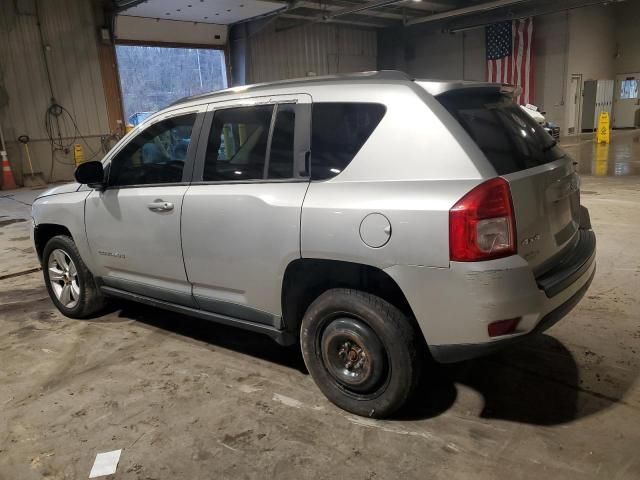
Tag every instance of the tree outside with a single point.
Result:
(153, 77)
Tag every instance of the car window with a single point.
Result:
(510, 139)
(338, 132)
(237, 145)
(156, 155)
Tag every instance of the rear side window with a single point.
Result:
(338, 132)
(510, 139)
(248, 143)
(237, 146)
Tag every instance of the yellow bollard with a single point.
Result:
(602, 135)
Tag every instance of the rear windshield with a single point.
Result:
(510, 139)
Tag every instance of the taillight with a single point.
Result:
(482, 224)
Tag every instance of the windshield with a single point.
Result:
(510, 139)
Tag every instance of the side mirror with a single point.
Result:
(91, 174)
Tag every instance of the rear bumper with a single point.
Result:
(455, 305)
(457, 353)
(571, 267)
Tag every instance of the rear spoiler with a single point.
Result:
(437, 88)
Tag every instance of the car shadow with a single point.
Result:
(536, 381)
(242, 341)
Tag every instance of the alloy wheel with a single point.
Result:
(63, 277)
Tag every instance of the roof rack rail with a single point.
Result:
(381, 75)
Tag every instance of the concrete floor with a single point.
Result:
(187, 399)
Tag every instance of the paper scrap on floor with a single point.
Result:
(105, 464)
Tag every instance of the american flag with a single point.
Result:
(509, 57)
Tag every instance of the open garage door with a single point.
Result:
(170, 49)
(161, 61)
(152, 77)
(194, 22)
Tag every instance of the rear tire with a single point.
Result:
(361, 351)
(69, 282)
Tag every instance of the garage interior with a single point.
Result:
(184, 398)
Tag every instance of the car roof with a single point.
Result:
(433, 87)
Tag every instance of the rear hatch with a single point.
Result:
(543, 183)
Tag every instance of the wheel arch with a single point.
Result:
(305, 279)
(46, 231)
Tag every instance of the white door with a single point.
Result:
(575, 100)
(241, 215)
(626, 101)
(133, 226)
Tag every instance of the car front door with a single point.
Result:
(241, 215)
(133, 226)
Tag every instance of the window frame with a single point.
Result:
(302, 138)
(187, 172)
(636, 90)
(357, 102)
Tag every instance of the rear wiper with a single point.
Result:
(550, 146)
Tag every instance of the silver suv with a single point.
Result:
(377, 220)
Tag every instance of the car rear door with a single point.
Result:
(241, 215)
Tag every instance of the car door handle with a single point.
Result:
(160, 206)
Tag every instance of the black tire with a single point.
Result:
(374, 384)
(89, 300)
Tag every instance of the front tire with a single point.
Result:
(361, 351)
(69, 282)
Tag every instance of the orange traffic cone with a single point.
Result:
(8, 183)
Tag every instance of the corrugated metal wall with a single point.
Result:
(69, 28)
(321, 48)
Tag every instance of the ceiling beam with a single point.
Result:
(540, 7)
(122, 5)
(331, 17)
(435, 4)
(382, 22)
(359, 23)
(360, 7)
(481, 7)
(339, 6)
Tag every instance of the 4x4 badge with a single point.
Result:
(530, 240)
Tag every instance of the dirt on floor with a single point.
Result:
(184, 398)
